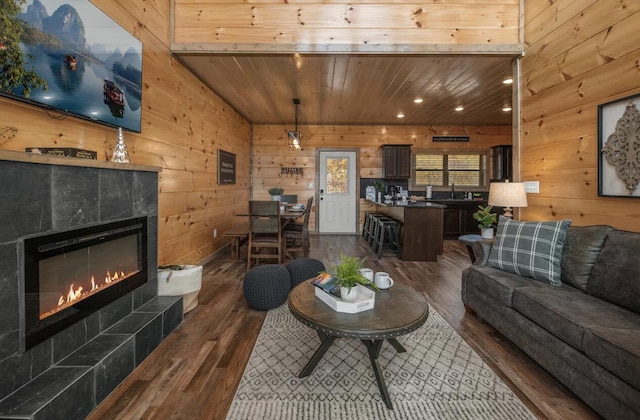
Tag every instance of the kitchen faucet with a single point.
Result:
(453, 190)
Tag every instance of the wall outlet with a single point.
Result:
(215, 233)
(532, 187)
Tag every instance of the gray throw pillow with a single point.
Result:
(616, 274)
(580, 252)
(530, 249)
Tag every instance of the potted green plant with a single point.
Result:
(347, 275)
(486, 220)
(276, 192)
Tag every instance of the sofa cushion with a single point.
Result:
(616, 275)
(497, 284)
(569, 314)
(617, 350)
(531, 249)
(580, 252)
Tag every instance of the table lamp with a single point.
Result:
(507, 194)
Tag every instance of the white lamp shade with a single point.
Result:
(507, 194)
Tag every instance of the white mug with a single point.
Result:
(382, 280)
(367, 273)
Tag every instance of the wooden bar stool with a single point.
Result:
(378, 231)
(388, 237)
(368, 225)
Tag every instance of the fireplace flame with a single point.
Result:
(116, 276)
(74, 294)
(77, 293)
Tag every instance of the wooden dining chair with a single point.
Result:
(265, 232)
(296, 235)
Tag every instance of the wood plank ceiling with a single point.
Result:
(360, 89)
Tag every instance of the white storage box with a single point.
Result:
(186, 283)
(366, 300)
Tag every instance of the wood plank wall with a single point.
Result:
(183, 125)
(270, 152)
(579, 54)
(302, 25)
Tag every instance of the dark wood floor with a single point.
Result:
(195, 371)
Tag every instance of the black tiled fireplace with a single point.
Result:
(78, 282)
(70, 274)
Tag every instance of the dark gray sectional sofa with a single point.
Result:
(586, 331)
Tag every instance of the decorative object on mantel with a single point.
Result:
(507, 194)
(618, 159)
(63, 151)
(275, 193)
(295, 137)
(297, 171)
(120, 154)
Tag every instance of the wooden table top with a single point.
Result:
(397, 311)
(287, 214)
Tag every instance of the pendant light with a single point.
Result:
(295, 137)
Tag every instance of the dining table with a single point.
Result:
(287, 215)
(240, 233)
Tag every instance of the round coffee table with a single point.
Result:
(397, 311)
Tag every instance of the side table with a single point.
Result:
(469, 240)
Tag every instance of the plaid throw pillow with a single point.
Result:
(531, 249)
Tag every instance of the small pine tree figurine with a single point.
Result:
(120, 154)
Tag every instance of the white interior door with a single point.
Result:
(337, 193)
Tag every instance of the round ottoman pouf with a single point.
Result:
(303, 269)
(266, 286)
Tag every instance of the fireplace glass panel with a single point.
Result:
(74, 276)
(68, 275)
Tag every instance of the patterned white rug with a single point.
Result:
(439, 377)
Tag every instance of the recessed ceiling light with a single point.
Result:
(400, 115)
(506, 108)
(459, 108)
(418, 100)
(508, 81)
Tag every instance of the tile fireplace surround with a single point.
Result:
(68, 375)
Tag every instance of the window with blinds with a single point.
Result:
(464, 170)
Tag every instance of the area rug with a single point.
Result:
(439, 377)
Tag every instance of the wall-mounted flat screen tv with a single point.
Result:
(68, 56)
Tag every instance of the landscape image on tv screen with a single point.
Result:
(71, 57)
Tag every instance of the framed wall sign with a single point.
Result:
(226, 167)
(618, 145)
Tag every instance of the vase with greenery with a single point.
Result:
(276, 192)
(486, 220)
(347, 275)
(380, 188)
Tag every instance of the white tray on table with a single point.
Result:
(366, 300)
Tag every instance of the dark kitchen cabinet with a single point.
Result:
(452, 222)
(458, 217)
(397, 161)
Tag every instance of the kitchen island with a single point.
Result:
(422, 228)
